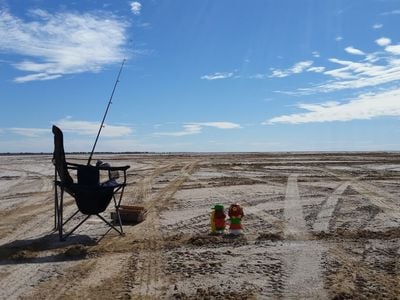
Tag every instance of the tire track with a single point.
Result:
(142, 190)
(302, 260)
(149, 281)
(324, 216)
(295, 222)
(19, 181)
(388, 203)
(146, 260)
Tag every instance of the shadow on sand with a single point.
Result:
(46, 249)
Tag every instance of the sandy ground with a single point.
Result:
(316, 226)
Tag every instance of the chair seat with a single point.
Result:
(92, 200)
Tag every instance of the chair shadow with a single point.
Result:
(46, 249)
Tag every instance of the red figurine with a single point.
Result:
(235, 219)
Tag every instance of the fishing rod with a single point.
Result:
(105, 114)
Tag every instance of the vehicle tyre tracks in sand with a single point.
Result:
(302, 256)
(148, 279)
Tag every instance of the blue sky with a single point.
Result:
(207, 75)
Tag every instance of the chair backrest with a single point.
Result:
(59, 157)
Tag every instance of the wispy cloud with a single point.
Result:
(196, 128)
(295, 69)
(377, 26)
(73, 126)
(364, 107)
(62, 43)
(136, 7)
(393, 12)
(218, 75)
(220, 125)
(188, 129)
(316, 54)
(372, 70)
(29, 132)
(354, 51)
(338, 38)
(259, 76)
(34, 77)
(316, 69)
(91, 128)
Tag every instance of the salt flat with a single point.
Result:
(316, 226)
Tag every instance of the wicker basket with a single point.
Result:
(130, 214)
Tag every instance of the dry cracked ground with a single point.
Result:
(316, 226)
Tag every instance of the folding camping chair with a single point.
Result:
(91, 197)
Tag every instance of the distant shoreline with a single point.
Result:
(204, 153)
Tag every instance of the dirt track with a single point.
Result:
(317, 226)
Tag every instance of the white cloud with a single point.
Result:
(377, 26)
(196, 128)
(39, 76)
(353, 50)
(358, 75)
(136, 7)
(295, 69)
(91, 128)
(62, 43)
(364, 107)
(218, 75)
(279, 73)
(301, 66)
(316, 54)
(394, 49)
(338, 38)
(373, 70)
(316, 69)
(29, 132)
(383, 41)
(258, 76)
(393, 12)
(220, 125)
(188, 129)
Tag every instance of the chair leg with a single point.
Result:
(70, 218)
(111, 225)
(75, 228)
(58, 218)
(55, 200)
(55, 207)
(60, 215)
(119, 218)
(117, 211)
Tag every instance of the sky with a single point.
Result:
(201, 76)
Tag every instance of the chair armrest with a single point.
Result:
(74, 166)
(109, 168)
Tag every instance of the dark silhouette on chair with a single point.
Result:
(91, 197)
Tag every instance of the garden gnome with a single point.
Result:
(235, 214)
(217, 219)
